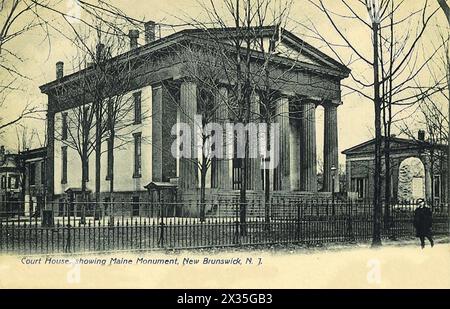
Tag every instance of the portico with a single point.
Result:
(297, 150)
(166, 90)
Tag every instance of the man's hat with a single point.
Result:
(420, 201)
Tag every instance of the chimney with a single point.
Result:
(2, 154)
(421, 135)
(59, 70)
(99, 52)
(150, 31)
(134, 36)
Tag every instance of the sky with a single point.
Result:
(355, 116)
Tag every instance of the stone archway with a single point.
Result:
(411, 179)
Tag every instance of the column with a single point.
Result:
(157, 153)
(295, 143)
(348, 174)
(187, 110)
(222, 168)
(169, 109)
(50, 160)
(330, 149)
(308, 174)
(428, 181)
(282, 172)
(254, 169)
(295, 140)
(395, 167)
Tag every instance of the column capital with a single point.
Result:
(287, 94)
(312, 100)
(157, 85)
(320, 101)
(332, 103)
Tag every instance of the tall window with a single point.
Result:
(3, 182)
(214, 173)
(137, 155)
(42, 172)
(13, 182)
(32, 174)
(64, 127)
(359, 185)
(237, 166)
(64, 165)
(437, 186)
(137, 107)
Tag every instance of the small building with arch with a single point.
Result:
(418, 170)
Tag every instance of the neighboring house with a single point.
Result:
(147, 158)
(34, 180)
(418, 170)
(10, 184)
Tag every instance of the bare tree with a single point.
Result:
(18, 18)
(430, 114)
(100, 106)
(245, 31)
(446, 9)
(394, 66)
(45, 18)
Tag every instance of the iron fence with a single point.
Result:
(90, 227)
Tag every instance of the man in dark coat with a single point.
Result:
(423, 220)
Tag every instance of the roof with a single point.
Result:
(161, 186)
(287, 37)
(9, 160)
(76, 190)
(397, 143)
(34, 153)
(188, 34)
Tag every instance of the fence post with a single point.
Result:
(236, 232)
(161, 237)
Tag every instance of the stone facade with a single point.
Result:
(171, 95)
(360, 170)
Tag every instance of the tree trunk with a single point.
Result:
(84, 173)
(388, 126)
(203, 189)
(377, 207)
(243, 191)
(388, 184)
(267, 182)
(448, 129)
(111, 177)
(446, 9)
(98, 153)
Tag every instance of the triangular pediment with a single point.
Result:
(298, 55)
(287, 45)
(396, 144)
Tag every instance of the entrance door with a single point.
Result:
(135, 206)
(237, 170)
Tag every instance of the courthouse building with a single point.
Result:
(311, 79)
